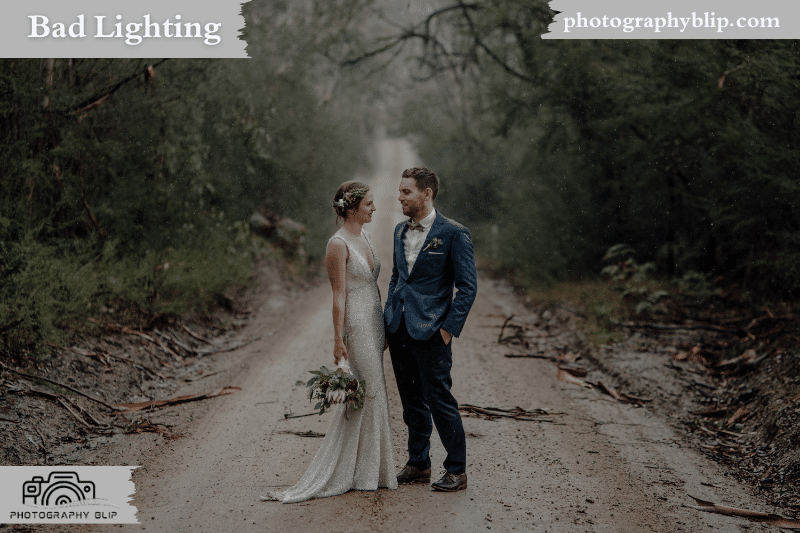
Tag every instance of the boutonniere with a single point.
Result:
(434, 244)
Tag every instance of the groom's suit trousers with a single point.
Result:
(422, 369)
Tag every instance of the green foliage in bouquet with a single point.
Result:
(337, 386)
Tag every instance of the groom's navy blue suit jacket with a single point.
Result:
(426, 292)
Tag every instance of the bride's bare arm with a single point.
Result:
(336, 264)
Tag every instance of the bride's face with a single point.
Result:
(365, 209)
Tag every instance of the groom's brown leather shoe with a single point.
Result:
(412, 474)
(451, 482)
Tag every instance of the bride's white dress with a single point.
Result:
(357, 451)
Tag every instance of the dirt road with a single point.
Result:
(602, 466)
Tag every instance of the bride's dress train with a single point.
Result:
(357, 451)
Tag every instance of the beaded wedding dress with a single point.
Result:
(357, 451)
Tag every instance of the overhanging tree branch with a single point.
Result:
(489, 52)
(373, 53)
(94, 101)
(423, 32)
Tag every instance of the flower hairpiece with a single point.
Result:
(350, 198)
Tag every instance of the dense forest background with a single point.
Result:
(128, 185)
(685, 151)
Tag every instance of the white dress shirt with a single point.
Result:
(413, 240)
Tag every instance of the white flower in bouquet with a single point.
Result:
(335, 396)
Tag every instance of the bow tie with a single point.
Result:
(414, 225)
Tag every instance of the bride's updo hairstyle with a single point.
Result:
(348, 198)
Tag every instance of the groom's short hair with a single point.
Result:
(424, 178)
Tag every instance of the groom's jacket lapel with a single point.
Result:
(436, 229)
(400, 251)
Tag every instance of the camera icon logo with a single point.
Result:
(59, 489)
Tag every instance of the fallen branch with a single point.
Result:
(133, 407)
(157, 342)
(566, 377)
(715, 431)
(156, 357)
(569, 357)
(62, 385)
(515, 410)
(287, 416)
(146, 426)
(730, 433)
(196, 335)
(169, 350)
(85, 414)
(66, 406)
(712, 412)
(124, 329)
(308, 433)
(742, 363)
(577, 371)
(621, 396)
(44, 444)
(101, 356)
(57, 398)
(503, 328)
(189, 380)
(172, 338)
(533, 356)
(179, 342)
(738, 415)
(517, 413)
(229, 348)
(671, 327)
(753, 516)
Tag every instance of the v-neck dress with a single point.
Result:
(357, 451)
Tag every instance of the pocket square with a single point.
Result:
(436, 253)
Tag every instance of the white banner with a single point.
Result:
(103, 28)
(674, 19)
(67, 495)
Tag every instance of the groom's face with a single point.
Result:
(411, 198)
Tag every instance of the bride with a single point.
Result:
(357, 451)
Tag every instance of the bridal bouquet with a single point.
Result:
(336, 386)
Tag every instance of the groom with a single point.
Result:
(432, 255)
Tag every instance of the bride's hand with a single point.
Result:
(339, 352)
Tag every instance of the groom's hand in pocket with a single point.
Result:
(446, 337)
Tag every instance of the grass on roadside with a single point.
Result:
(50, 291)
(595, 299)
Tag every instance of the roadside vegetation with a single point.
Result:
(131, 187)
